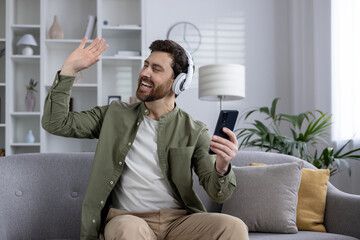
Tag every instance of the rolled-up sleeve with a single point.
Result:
(58, 120)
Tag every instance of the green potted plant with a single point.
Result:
(305, 138)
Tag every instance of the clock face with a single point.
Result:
(186, 34)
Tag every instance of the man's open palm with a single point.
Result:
(82, 57)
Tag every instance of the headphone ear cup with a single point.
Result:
(178, 83)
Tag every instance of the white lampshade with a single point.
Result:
(27, 39)
(222, 82)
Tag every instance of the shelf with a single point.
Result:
(64, 43)
(2, 125)
(2, 84)
(25, 114)
(25, 28)
(2, 40)
(25, 144)
(25, 59)
(122, 27)
(108, 58)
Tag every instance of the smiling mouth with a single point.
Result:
(144, 84)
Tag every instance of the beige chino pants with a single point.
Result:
(173, 225)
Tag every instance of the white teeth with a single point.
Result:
(145, 84)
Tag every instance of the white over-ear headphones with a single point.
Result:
(183, 80)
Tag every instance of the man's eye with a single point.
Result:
(156, 69)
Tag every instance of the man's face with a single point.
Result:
(156, 77)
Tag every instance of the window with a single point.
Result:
(345, 69)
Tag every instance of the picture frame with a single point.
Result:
(114, 98)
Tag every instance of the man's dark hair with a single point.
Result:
(180, 61)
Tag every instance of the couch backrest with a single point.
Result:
(41, 195)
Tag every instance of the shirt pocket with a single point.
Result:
(180, 166)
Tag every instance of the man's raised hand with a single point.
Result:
(82, 57)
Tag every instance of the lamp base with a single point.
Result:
(27, 51)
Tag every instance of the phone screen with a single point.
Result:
(227, 118)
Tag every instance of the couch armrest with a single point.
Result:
(342, 214)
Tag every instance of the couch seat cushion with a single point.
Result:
(301, 235)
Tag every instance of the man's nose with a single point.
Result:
(145, 72)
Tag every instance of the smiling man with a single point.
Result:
(140, 186)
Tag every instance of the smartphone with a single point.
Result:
(227, 118)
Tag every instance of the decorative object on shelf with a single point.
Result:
(55, 31)
(105, 22)
(30, 96)
(113, 98)
(222, 82)
(90, 27)
(186, 34)
(30, 138)
(306, 139)
(27, 40)
(127, 54)
(2, 152)
(2, 52)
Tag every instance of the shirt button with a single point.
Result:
(120, 163)
(94, 221)
(111, 182)
(220, 192)
(137, 123)
(146, 111)
(56, 81)
(222, 181)
(102, 202)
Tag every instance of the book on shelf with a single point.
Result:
(90, 27)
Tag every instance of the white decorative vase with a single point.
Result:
(30, 137)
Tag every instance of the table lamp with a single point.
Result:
(27, 40)
(222, 82)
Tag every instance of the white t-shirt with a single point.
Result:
(142, 186)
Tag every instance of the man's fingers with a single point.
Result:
(83, 41)
(103, 48)
(93, 43)
(231, 135)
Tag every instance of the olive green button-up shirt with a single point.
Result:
(183, 145)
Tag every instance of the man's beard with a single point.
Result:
(157, 92)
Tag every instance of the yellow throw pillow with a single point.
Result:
(312, 199)
(257, 164)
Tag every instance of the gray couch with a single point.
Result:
(41, 197)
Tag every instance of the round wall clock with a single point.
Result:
(186, 34)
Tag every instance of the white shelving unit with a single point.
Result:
(115, 74)
(2, 74)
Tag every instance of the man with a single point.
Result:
(146, 154)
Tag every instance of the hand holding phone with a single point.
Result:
(227, 118)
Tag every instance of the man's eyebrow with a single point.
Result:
(154, 65)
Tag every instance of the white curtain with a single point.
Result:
(345, 69)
